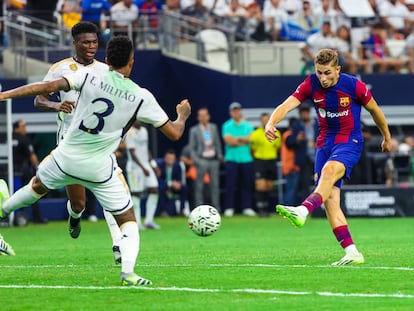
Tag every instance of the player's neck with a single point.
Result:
(123, 71)
(82, 61)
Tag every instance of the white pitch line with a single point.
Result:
(362, 267)
(213, 290)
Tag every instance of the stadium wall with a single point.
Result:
(171, 80)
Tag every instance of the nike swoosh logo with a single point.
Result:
(318, 100)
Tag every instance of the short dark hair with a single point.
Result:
(304, 107)
(118, 51)
(292, 121)
(170, 151)
(16, 124)
(84, 27)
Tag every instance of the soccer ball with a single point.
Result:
(204, 220)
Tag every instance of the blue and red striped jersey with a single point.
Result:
(338, 107)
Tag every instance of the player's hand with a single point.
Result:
(184, 109)
(157, 171)
(146, 172)
(66, 106)
(386, 145)
(271, 132)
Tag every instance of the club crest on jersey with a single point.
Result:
(344, 101)
(73, 67)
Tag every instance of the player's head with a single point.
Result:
(119, 52)
(85, 41)
(327, 67)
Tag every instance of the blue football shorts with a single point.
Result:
(346, 153)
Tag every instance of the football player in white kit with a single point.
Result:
(85, 42)
(141, 175)
(108, 104)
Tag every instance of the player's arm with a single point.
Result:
(42, 102)
(381, 123)
(278, 115)
(36, 88)
(137, 161)
(175, 129)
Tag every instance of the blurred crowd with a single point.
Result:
(381, 43)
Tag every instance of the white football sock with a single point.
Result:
(114, 230)
(21, 198)
(129, 246)
(136, 201)
(151, 207)
(351, 249)
(71, 212)
(303, 210)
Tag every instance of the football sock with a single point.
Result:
(351, 249)
(129, 246)
(21, 198)
(136, 201)
(151, 207)
(261, 200)
(71, 212)
(114, 230)
(314, 200)
(343, 236)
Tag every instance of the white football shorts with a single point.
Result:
(113, 194)
(138, 182)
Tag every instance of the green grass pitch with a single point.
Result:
(249, 264)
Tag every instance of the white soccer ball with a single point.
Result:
(204, 220)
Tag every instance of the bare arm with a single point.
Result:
(137, 161)
(278, 115)
(43, 103)
(36, 88)
(175, 129)
(381, 122)
(236, 141)
(34, 160)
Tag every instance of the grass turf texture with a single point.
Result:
(249, 264)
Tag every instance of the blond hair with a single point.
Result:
(326, 57)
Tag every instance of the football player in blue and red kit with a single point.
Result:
(338, 98)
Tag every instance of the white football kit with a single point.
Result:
(107, 106)
(57, 71)
(137, 139)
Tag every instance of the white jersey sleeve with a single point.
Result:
(151, 111)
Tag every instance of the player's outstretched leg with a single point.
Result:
(131, 279)
(351, 258)
(5, 248)
(4, 195)
(295, 214)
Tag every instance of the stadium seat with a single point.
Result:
(214, 48)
